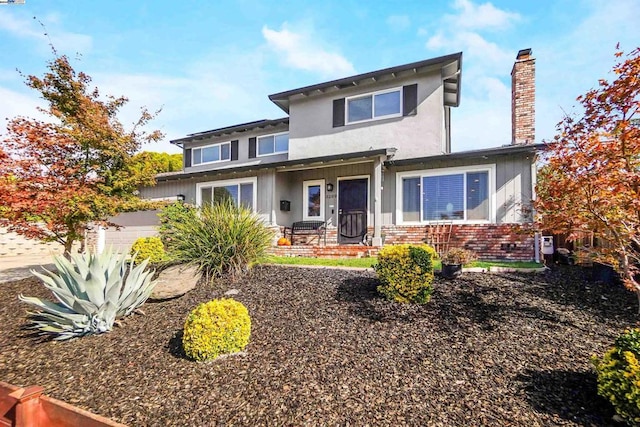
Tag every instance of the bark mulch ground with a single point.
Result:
(489, 349)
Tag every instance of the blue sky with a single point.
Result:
(213, 64)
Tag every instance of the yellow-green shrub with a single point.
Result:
(148, 247)
(406, 272)
(619, 375)
(217, 327)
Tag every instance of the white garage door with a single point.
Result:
(132, 226)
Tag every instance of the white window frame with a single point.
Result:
(219, 145)
(305, 199)
(373, 105)
(227, 182)
(490, 168)
(274, 144)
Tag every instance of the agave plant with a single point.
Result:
(92, 291)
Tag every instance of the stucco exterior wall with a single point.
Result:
(311, 131)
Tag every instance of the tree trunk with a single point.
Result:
(67, 248)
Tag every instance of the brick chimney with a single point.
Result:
(523, 99)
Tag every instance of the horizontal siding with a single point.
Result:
(243, 150)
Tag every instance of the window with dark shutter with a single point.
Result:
(252, 147)
(410, 100)
(187, 158)
(234, 150)
(338, 112)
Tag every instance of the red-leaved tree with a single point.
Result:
(590, 181)
(58, 176)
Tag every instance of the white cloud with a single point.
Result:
(483, 118)
(30, 28)
(481, 16)
(399, 22)
(301, 50)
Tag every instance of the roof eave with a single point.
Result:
(281, 99)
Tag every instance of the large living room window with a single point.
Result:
(377, 105)
(273, 144)
(212, 153)
(241, 191)
(445, 195)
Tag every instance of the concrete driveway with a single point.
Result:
(18, 267)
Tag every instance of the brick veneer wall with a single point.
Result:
(488, 241)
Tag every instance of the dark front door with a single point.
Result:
(352, 209)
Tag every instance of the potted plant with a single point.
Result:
(453, 260)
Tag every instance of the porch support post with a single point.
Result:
(377, 201)
(274, 198)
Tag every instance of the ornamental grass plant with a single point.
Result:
(221, 238)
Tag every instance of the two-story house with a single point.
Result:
(371, 153)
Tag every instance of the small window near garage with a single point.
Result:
(373, 106)
(313, 199)
(273, 144)
(240, 191)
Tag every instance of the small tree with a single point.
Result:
(590, 180)
(57, 176)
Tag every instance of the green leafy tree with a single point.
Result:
(57, 176)
(152, 162)
(590, 180)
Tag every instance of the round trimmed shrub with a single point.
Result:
(406, 272)
(148, 247)
(619, 375)
(214, 328)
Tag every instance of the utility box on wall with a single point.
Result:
(547, 245)
(285, 205)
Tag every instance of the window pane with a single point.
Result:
(205, 195)
(282, 142)
(197, 156)
(246, 195)
(360, 109)
(442, 197)
(211, 154)
(387, 103)
(313, 200)
(478, 195)
(225, 151)
(221, 194)
(265, 145)
(411, 199)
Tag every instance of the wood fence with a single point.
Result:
(28, 407)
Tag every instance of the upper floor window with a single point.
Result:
(375, 105)
(212, 153)
(273, 144)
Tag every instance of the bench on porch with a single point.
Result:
(306, 228)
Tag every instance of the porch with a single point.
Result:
(334, 251)
(491, 242)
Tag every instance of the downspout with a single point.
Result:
(536, 238)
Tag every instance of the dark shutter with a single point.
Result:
(234, 150)
(187, 158)
(252, 147)
(338, 112)
(410, 100)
